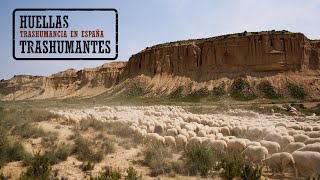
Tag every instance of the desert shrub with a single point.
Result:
(267, 89)
(296, 91)
(107, 174)
(82, 148)
(196, 96)
(28, 130)
(59, 154)
(85, 124)
(176, 93)
(198, 159)
(234, 166)
(49, 139)
(87, 166)
(39, 169)
(157, 157)
(132, 174)
(240, 90)
(218, 91)
(106, 144)
(11, 150)
(134, 90)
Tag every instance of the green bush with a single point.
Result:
(59, 154)
(240, 90)
(198, 159)
(82, 148)
(48, 140)
(267, 89)
(196, 96)
(40, 168)
(28, 130)
(234, 166)
(157, 157)
(218, 91)
(132, 174)
(296, 91)
(176, 93)
(107, 174)
(11, 150)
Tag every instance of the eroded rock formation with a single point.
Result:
(207, 59)
(185, 62)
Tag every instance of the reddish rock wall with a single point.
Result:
(206, 59)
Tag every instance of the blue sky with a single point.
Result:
(144, 23)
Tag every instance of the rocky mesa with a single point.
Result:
(280, 57)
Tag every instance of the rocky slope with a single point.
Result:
(281, 57)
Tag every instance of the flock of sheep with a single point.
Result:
(276, 141)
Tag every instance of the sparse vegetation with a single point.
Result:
(49, 139)
(218, 91)
(84, 152)
(296, 91)
(176, 93)
(11, 150)
(240, 90)
(157, 157)
(132, 174)
(87, 166)
(109, 173)
(39, 169)
(106, 144)
(234, 166)
(268, 90)
(59, 154)
(198, 159)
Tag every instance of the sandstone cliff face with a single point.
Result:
(69, 83)
(196, 63)
(203, 60)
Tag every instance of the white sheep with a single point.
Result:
(254, 132)
(278, 162)
(285, 140)
(172, 132)
(181, 141)
(170, 141)
(272, 147)
(192, 134)
(307, 163)
(155, 138)
(194, 141)
(273, 136)
(291, 147)
(184, 133)
(201, 133)
(219, 146)
(311, 147)
(225, 131)
(236, 145)
(311, 141)
(255, 153)
(253, 143)
(300, 137)
(314, 134)
(226, 139)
